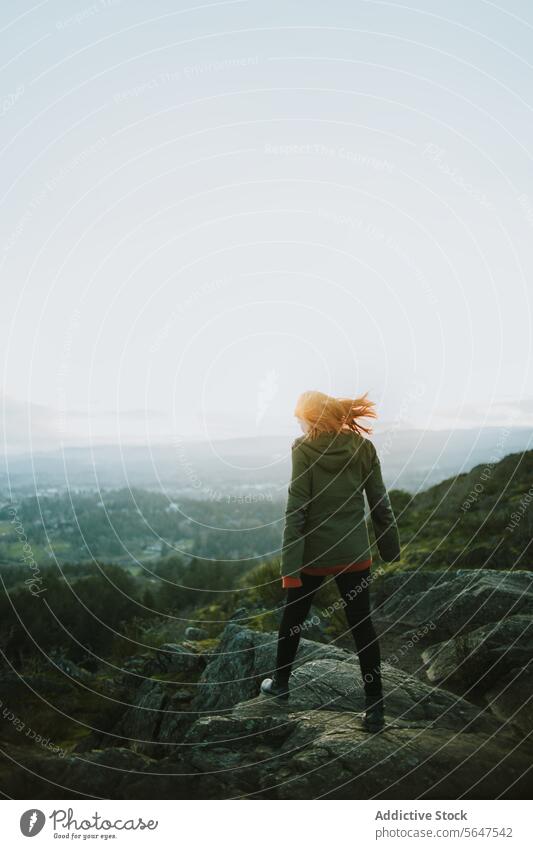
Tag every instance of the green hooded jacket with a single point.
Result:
(325, 521)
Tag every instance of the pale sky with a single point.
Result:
(208, 208)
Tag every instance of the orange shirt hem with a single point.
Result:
(291, 581)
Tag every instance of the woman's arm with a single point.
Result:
(299, 496)
(383, 519)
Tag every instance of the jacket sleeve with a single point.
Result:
(381, 513)
(298, 499)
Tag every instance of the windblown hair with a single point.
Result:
(325, 414)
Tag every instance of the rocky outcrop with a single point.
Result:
(265, 752)
(316, 746)
(511, 698)
(244, 657)
(453, 601)
(435, 745)
(325, 678)
(238, 744)
(197, 728)
(192, 633)
(476, 659)
(157, 719)
(172, 657)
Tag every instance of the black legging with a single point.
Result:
(354, 590)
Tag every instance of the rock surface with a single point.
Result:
(192, 633)
(172, 657)
(244, 657)
(157, 718)
(477, 659)
(455, 601)
(325, 678)
(435, 745)
(197, 728)
(511, 698)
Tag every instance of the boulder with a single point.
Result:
(454, 601)
(227, 742)
(157, 720)
(330, 685)
(476, 659)
(263, 750)
(325, 678)
(71, 670)
(171, 657)
(243, 658)
(385, 588)
(192, 633)
(511, 698)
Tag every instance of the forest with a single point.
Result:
(481, 519)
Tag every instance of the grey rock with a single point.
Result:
(171, 657)
(218, 739)
(455, 601)
(264, 750)
(157, 720)
(241, 613)
(230, 743)
(476, 659)
(386, 588)
(404, 761)
(70, 669)
(333, 685)
(325, 678)
(244, 657)
(192, 633)
(511, 699)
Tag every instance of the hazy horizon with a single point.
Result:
(27, 435)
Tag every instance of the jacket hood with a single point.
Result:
(332, 451)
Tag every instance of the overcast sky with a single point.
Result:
(206, 210)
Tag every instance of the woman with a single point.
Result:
(325, 534)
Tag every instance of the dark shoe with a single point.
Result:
(270, 687)
(374, 718)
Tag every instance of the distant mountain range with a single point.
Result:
(411, 459)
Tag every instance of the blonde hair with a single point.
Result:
(323, 413)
